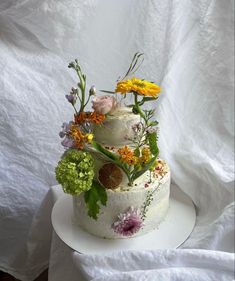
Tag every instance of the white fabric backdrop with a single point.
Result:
(189, 51)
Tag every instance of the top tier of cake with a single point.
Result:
(117, 127)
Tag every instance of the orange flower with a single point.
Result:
(80, 118)
(127, 155)
(94, 117)
(97, 118)
(78, 137)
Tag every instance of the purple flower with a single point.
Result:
(128, 223)
(67, 142)
(71, 98)
(65, 129)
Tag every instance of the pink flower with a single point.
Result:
(128, 223)
(104, 104)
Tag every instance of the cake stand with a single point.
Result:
(171, 233)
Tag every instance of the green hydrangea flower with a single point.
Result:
(75, 171)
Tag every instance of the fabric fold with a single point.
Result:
(157, 265)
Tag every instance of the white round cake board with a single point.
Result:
(171, 233)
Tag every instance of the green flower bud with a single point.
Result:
(92, 91)
(71, 65)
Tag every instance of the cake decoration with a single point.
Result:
(120, 187)
(76, 171)
(147, 202)
(104, 104)
(110, 176)
(128, 223)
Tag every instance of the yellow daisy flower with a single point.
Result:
(141, 87)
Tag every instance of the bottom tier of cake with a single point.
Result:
(128, 213)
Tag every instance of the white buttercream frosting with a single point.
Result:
(116, 129)
(120, 201)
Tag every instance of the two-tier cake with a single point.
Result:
(120, 186)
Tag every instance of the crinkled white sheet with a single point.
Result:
(165, 265)
(189, 51)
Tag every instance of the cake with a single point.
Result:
(111, 165)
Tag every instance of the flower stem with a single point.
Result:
(139, 110)
(82, 79)
(75, 109)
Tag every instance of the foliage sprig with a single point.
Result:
(80, 92)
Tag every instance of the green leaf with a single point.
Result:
(152, 138)
(144, 99)
(109, 92)
(137, 152)
(149, 98)
(112, 157)
(104, 151)
(94, 197)
(91, 200)
(144, 168)
(153, 123)
(101, 191)
(149, 113)
(135, 109)
(135, 64)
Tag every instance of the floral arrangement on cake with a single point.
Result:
(76, 172)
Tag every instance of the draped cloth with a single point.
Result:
(189, 51)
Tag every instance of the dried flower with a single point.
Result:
(128, 223)
(160, 168)
(110, 176)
